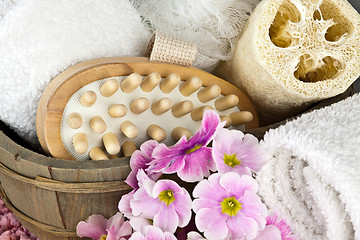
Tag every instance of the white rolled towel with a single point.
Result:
(313, 176)
(41, 38)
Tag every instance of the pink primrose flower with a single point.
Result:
(99, 228)
(235, 152)
(190, 159)
(227, 207)
(194, 236)
(164, 201)
(276, 229)
(152, 233)
(140, 159)
(124, 204)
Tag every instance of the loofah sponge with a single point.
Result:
(39, 39)
(295, 52)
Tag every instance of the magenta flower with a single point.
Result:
(164, 201)
(140, 159)
(99, 228)
(191, 160)
(276, 229)
(235, 152)
(227, 207)
(152, 233)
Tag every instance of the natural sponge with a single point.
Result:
(295, 52)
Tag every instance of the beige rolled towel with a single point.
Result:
(295, 52)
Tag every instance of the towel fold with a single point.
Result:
(313, 176)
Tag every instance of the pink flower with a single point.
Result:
(124, 204)
(235, 152)
(276, 229)
(140, 159)
(98, 228)
(10, 227)
(227, 207)
(191, 160)
(194, 236)
(152, 233)
(164, 201)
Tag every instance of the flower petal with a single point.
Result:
(115, 233)
(253, 207)
(197, 165)
(209, 125)
(205, 190)
(152, 232)
(236, 185)
(168, 160)
(166, 219)
(94, 227)
(145, 182)
(124, 204)
(224, 139)
(169, 236)
(246, 148)
(131, 179)
(211, 223)
(138, 160)
(155, 233)
(163, 185)
(143, 205)
(115, 221)
(270, 232)
(137, 236)
(148, 147)
(139, 223)
(125, 229)
(251, 152)
(183, 208)
(282, 225)
(242, 226)
(194, 236)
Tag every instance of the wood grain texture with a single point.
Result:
(50, 196)
(62, 87)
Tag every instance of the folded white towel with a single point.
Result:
(313, 176)
(39, 39)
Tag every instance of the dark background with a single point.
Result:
(356, 4)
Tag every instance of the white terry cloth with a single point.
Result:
(41, 38)
(313, 176)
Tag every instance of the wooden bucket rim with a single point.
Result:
(19, 153)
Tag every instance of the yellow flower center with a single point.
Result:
(230, 206)
(167, 196)
(197, 146)
(231, 160)
(103, 237)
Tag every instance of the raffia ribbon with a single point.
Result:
(167, 49)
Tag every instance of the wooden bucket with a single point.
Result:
(50, 196)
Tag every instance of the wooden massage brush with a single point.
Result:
(106, 108)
